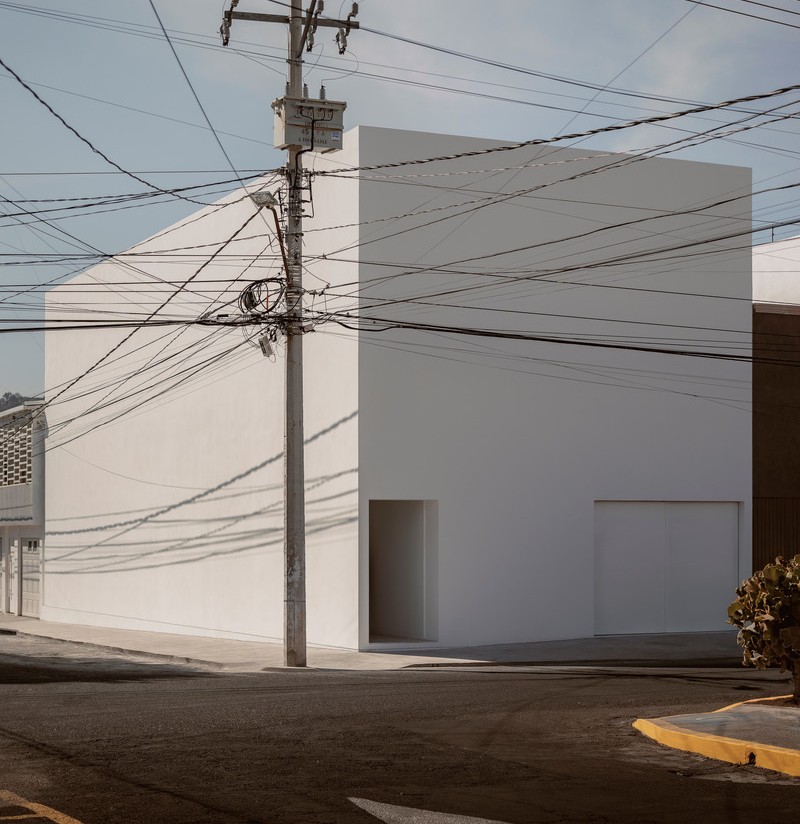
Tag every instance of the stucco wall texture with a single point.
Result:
(164, 510)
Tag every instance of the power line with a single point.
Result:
(582, 235)
(627, 66)
(149, 319)
(505, 197)
(574, 136)
(153, 359)
(495, 199)
(209, 43)
(614, 376)
(149, 32)
(88, 143)
(545, 276)
(169, 384)
(627, 224)
(117, 105)
(99, 203)
(87, 173)
(192, 89)
(768, 6)
(745, 14)
(378, 324)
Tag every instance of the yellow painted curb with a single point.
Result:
(754, 701)
(38, 810)
(732, 750)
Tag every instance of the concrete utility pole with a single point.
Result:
(302, 125)
(294, 488)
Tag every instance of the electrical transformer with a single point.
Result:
(312, 124)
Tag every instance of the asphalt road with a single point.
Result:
(110, 739)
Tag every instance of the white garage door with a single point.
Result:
(664, 566)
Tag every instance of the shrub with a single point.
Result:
(767, 613)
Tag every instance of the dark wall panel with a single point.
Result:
(776, 434)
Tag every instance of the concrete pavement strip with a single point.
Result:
(225, 654)
(662, 650)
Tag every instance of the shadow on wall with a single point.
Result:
(110, 554)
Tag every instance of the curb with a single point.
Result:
(594, 663)
(170, 658)
(731, 750)
(161, 656)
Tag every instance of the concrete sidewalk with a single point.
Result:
(218, 653)
(691, 649)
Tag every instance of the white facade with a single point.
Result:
(776, 273)
(22, 499)
(492, 489)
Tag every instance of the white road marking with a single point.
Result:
(392, 814)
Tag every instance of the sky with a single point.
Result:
(115, 94)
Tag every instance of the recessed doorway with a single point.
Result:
(403, 564)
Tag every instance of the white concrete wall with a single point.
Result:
(16, 502)
(776, 272)
(331, 400)
(164, 504)
(156, 521)
(516, 440)
(126, 546)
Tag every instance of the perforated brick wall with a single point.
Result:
(15, 453)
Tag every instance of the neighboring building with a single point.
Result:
(22, 433)
(776, 400)
(592, 476)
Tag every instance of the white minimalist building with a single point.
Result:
(527, 395)
(22, 435)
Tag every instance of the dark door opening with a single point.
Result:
(402, 570)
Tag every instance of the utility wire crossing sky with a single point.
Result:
(120, 121)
